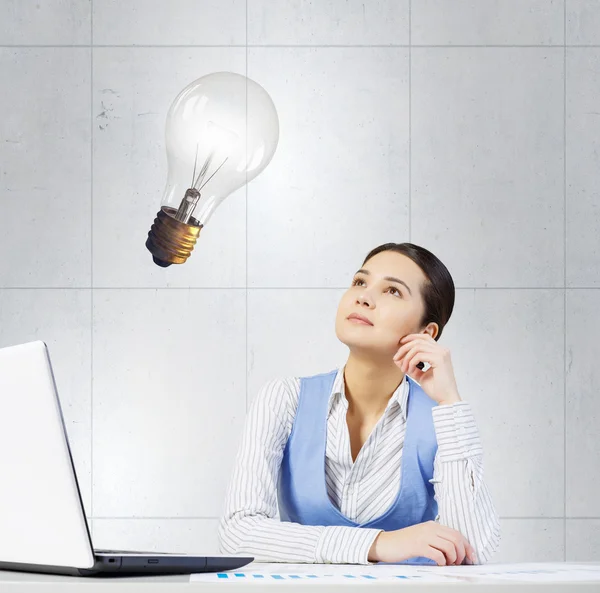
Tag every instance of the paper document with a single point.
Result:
(330, 574)
(538, 572)
(348, 574)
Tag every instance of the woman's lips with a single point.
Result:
(360, 321)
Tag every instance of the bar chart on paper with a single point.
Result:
(534, 572)
(266, 574)
(348, 574)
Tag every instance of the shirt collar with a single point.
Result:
(399, 397)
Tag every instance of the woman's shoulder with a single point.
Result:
(279, 394)
(283, 392)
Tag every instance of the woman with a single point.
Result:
(361, 459)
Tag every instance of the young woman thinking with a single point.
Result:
(379, 460)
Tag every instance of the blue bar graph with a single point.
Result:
(282, 577)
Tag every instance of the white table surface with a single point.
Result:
(22, 582)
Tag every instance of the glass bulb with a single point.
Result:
(221, 132)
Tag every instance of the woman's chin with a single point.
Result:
(362, 346)
(354, 342)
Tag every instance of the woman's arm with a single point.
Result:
(464, 502)
(249, 524)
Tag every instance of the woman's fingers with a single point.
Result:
(460, 541)
(407, 360)
(434, 554)
(447, 547)
(460, 546)
(471, 555)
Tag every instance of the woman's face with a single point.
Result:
(387, 292)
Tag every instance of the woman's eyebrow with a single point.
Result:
(389, 278)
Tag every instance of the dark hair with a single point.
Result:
(437, 291)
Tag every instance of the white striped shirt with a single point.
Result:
(361, 490)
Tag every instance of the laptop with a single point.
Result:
(43, 527)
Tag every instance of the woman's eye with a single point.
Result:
(358, 281)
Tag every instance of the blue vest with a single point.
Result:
(302, 491)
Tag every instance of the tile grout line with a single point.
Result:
(217, 518)
(92, 260)
(305, 46)
(246, 229)
(560, 288)
(565, 280)
(409, 118)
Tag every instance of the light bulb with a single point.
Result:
(221, 132)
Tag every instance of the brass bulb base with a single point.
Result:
(171, 241)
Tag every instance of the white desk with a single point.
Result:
(19, 582)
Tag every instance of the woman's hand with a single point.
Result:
(438, 382)
(439, 543)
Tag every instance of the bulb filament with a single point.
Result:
(192, 195)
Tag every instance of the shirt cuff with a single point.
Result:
(339, 544)
(456, 432)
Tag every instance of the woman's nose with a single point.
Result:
(365, 299)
